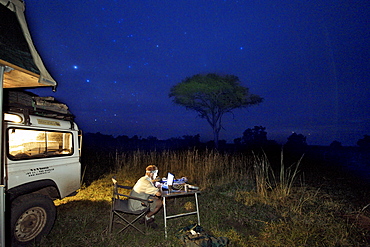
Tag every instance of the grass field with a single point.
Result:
(242, 199)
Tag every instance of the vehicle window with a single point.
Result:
(29, 144)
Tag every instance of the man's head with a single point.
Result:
(151, 171)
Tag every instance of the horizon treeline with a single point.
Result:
(252, 138)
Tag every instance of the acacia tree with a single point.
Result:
(212, 96)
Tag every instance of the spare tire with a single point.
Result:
(32, 216)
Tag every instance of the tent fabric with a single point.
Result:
(13, 45)
(18, 7)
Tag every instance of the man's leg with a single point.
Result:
(149, 217)
(158, 205)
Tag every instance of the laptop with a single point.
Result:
(170, 178)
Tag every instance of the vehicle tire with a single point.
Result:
(32, 216)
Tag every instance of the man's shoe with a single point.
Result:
(142, 220)
(150, 221)
(153, 225)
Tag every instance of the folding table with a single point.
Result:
(174, 194)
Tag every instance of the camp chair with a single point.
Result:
(120, 209)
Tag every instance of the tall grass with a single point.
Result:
(287, 176)
(241, 199)
(266, 178)
(262, 174)
(206, 169)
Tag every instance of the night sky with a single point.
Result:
(115, 62)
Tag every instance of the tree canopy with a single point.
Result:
(255, 137)
(364, 142)
(213, 95)
(296, 143)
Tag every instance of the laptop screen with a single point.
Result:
(170, 178)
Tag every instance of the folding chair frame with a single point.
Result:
(117, 196)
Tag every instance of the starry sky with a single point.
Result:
(115, 62)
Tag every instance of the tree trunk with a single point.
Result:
(215, 136)
(216, 127)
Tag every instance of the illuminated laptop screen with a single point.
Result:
(170, 178)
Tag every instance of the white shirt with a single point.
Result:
(142, 189)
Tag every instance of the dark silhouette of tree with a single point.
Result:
(99, 140)
(255, 137)
(191, 141)
(364, 143)
(135, 138)
(211, 96)
(238, 141)
(335, 145)
(152, 138)
(296, 143)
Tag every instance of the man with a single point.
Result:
(145, 188)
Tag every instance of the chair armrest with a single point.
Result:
(136, 198)
(124, 187)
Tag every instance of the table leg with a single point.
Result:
(165, 217)
(179, 215)
(196, 202)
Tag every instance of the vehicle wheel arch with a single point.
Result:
(45, 187)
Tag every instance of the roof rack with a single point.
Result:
(31, 104)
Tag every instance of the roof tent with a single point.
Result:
(23, 65)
